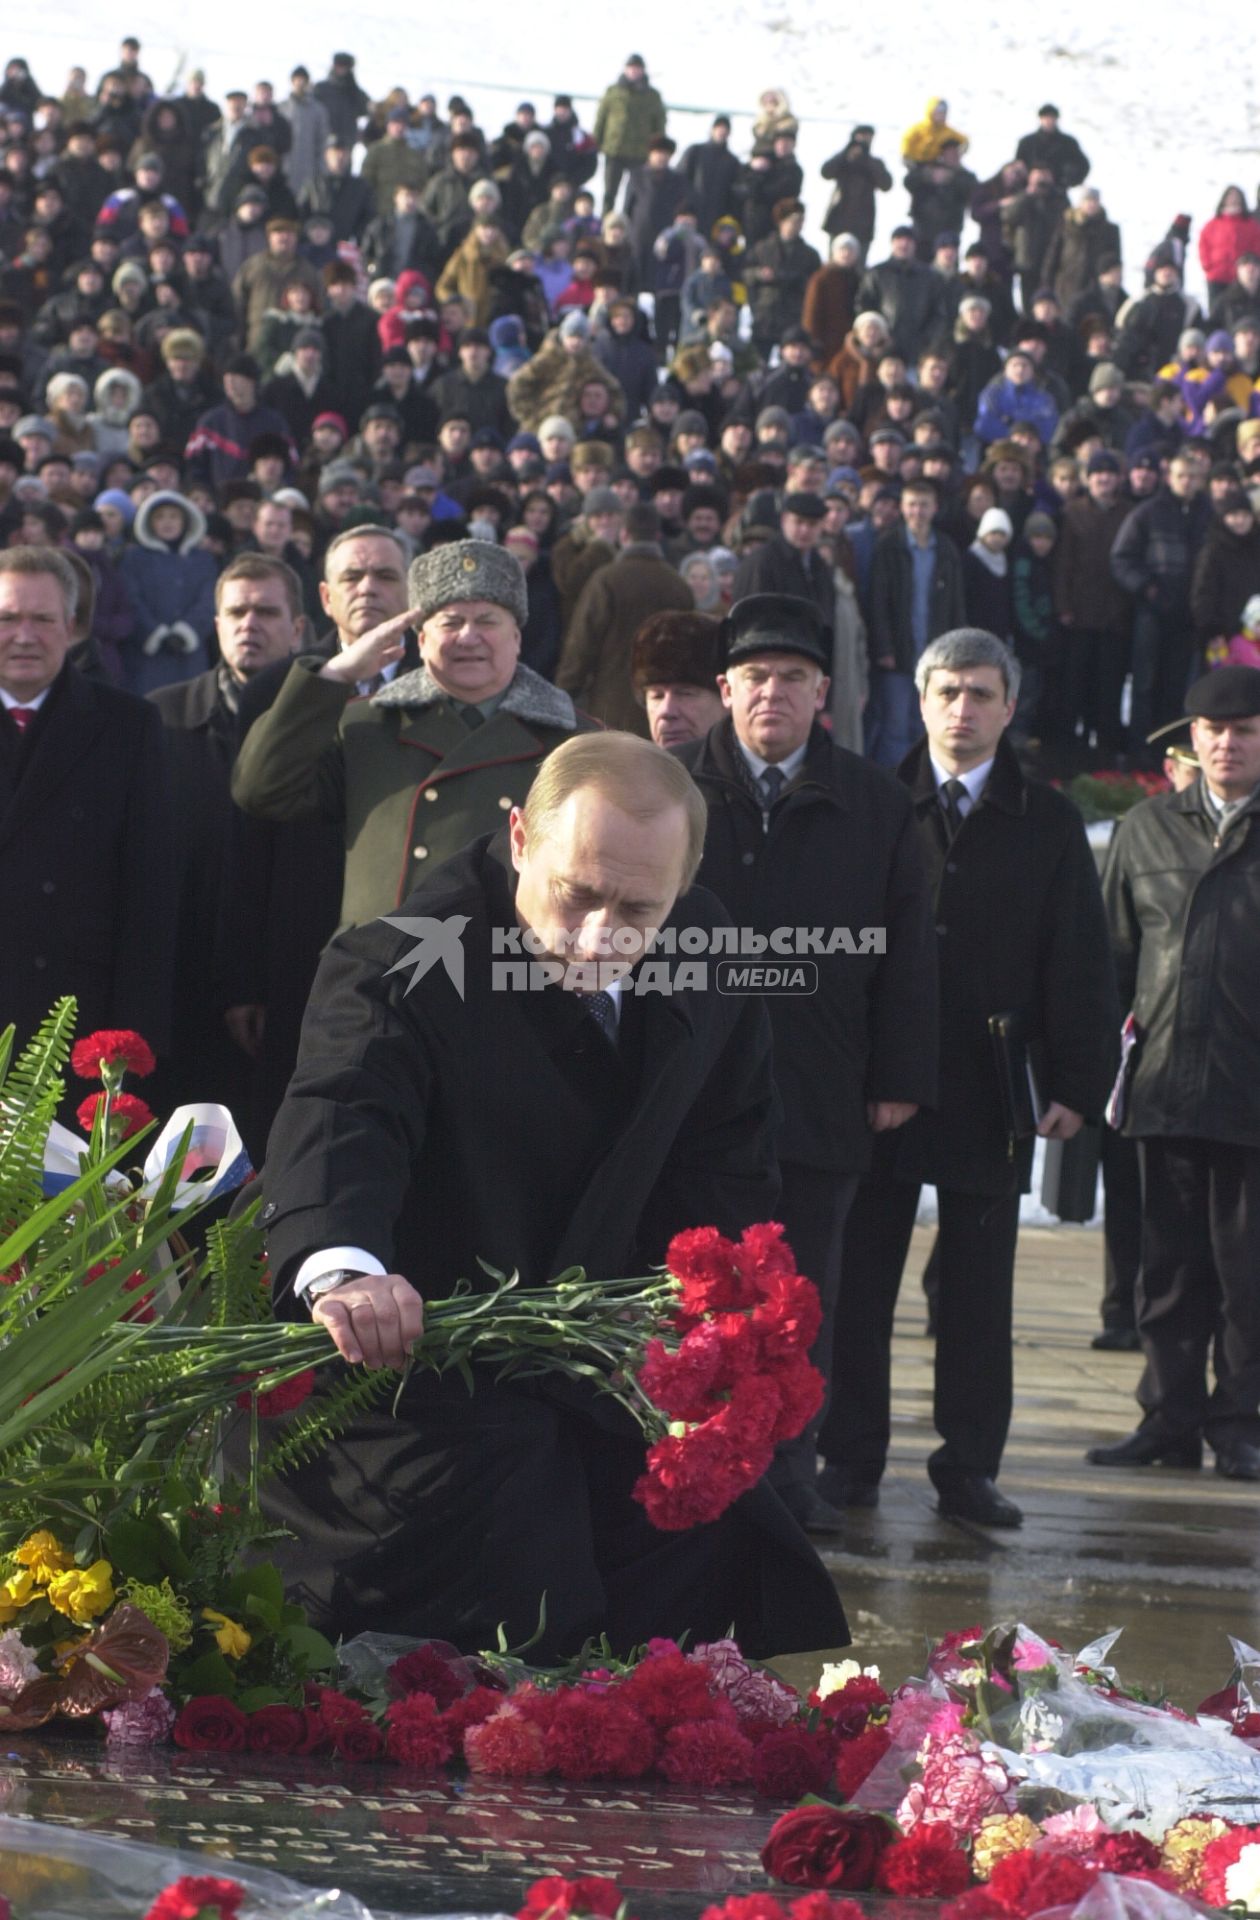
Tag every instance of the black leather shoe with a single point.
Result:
(974, 1497)
(835, 1486)
(810, 1511)
(1150, 1446)
(1238, 1460)
(1117, 1340)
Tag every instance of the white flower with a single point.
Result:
(18, 1665)
(1242, 1880)
(838, 1673)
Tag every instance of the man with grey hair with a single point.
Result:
(1027, 1022)
(417, 767)
(86, 861)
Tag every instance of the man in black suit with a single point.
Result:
(259, 621)
(85, 851)
(1020, 931)
(438, 1118)
(803, 835)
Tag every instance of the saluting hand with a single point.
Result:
(366, 656)
(375, 1319)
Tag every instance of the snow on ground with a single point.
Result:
(1163, 98)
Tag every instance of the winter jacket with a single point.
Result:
(1029, 226)
(937, 205)
(925, 139)
(653, 197)
(483, 402)
(1086, 594)
(711, 172)
(976, 363)
(1226, 574)
(627, 118)
(347, 199)
(890, 633)
(260, 286)
(1085, 419)
(775, 566)
(218, 448)
(858, 177)
(109, 424)
(595, 663)
(1149, 330)
(911, 299)
(310, 126)
(1032, 604)
(390, 164)
(631, 360)
(1155, 551)
(168, 590)
(1076, 252)
(1003, 403)
(345, 103)
(828, 308)
(839, 850)
(1222, 240)
(1183, 902)
(467, 273)
(384, 255)
(552, 383)
(1052, 148)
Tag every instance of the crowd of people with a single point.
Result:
(387, 455)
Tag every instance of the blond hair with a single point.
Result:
(637, 777)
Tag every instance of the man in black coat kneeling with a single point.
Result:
(450, 1109)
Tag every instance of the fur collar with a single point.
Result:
(529, 697)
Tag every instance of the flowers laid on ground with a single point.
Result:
(132, 1576)
(1110, 795)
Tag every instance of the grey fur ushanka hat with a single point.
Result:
(467, 570)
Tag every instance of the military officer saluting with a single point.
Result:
(435, 756)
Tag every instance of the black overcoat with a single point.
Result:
(841, 852)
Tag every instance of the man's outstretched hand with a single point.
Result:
(375, 1319)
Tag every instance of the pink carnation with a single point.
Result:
(1077, 1831)
(18, 1664)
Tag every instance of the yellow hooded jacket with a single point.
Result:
(925, 139)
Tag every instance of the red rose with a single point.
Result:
(211, 1724)
(115, 1047)
(276, 1729)
(359, 1740)
(827, 1847)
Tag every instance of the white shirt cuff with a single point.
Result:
(316, 1265)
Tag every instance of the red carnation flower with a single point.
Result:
(335, 1709)
(470, 1712)
(198, 1894)
(859, 1757)
(276, 1729)
(1218, 1857)
(1029, 1882)
(210, 1723)
(705, 1262)
(426, 1671)
(848, 1709)
(282, 1399)
(748, 1906)
(508, 1743)
(415, 1736)
(669, 1689)
(1126, 1852)
(764, 1254)
(706, 1753)
(554, 1898)
(143, 1312)
(827, 1847)
(789, 1316)
(113, 1047)
(926, 1865)
(821, 1906)
(791, 1762)
(594, 1735)
(132, 1115)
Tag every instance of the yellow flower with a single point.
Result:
(15, 1593)
(83, 1592)
(1183, 1845)
(43, 1554)
(1000, 1834)
(233, 1641)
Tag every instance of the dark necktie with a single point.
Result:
(603, 1012)
(773, 781)
(472, 717)
(22, 717)
(953, 793)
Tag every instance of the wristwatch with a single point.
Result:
(326, 1283)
